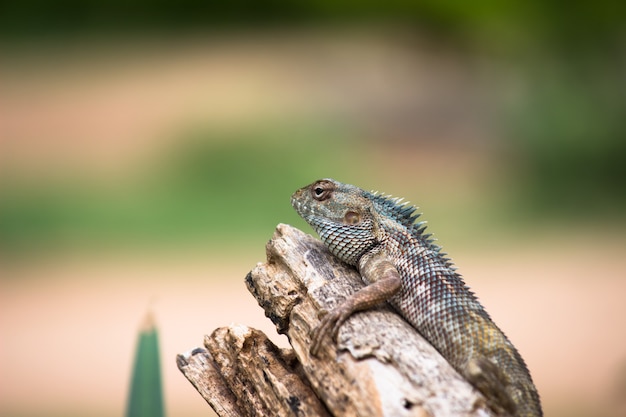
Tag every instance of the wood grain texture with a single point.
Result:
(379, 365)
(242, 373)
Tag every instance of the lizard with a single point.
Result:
(401, 264)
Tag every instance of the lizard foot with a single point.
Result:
(329, 326)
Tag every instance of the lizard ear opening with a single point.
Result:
(352, 217)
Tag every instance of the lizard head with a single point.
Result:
(342, 216)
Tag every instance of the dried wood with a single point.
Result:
(379, 365)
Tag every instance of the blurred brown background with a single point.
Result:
(148, 150)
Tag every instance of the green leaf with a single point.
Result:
(146, 394)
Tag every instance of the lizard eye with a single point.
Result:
(321, 191)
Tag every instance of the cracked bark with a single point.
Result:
(379, 365)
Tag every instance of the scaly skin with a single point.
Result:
(400, 264)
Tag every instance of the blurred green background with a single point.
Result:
(148, 149)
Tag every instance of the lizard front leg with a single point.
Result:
(384, 282)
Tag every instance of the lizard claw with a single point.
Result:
(329, 326)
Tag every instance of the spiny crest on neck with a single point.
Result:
(405, 214)
(393, 207)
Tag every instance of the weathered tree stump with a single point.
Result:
(379, 366)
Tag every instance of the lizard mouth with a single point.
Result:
(296, 200)
(300, 208)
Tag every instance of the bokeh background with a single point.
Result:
(148, 149)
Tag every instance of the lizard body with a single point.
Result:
(402, 265)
